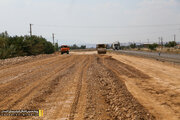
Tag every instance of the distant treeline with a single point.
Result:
(77, 47)
(13, 46)
(150, 46)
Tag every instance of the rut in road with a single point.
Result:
(25, 85)
(83, 69)
(72, 87)
(36, 86)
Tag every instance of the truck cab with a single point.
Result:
(65, 49)
(116, 46)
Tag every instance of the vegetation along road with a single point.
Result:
(92, 87)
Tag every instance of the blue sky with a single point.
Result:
(93, 21)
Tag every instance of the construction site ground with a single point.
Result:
(85, 85)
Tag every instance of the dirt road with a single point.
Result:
(90, 87)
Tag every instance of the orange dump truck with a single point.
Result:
(65, 49)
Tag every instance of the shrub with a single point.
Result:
(153, 46)
(133, 45)
(171, 44)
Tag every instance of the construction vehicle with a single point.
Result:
(65, 49)
(101, 48)
(116, 46)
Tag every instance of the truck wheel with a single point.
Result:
(61, 52)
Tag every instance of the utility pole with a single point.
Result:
(57, 45)
(30, 29)
(53, 38)
(174, 37)
(162, 42)
(159, 40)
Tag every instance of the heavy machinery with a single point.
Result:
(116, 46)
(65, 49)
(101, 48)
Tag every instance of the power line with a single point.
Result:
(53, 37)
(174, 37)
(128, 26)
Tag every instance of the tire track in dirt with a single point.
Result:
(77, 95)
(36, 65)
(49, 88)
(31, 71)
(67, 102)
(27, 73)
(81, 106)
(38, 96)
(83, 69)
(32, 87)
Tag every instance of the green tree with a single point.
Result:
(4, 34)
(153, 46)
(83, 47)
(171, 44)
(23, 45)
(133, 45)
(74, 47)
(49, 48)
(56, 47)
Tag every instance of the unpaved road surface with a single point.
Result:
(160, 93)
(91, 87)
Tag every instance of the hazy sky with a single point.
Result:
(93, 21)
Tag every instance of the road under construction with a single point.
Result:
(85, 85)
